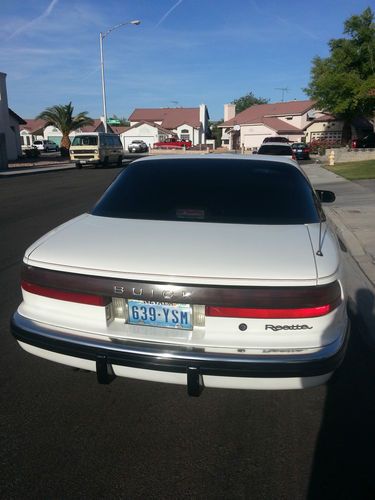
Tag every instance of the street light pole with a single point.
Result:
(102, 35)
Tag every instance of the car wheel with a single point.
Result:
(78, 165)
(119, 161)
(105, 162)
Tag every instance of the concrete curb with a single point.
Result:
(13, 172)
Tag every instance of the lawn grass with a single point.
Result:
(354, 170)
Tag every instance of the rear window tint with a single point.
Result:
(211, 190)
(274, 149)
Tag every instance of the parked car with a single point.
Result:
(46, 145)
(276, 138)
(173, 143)
(96, 149)
(278, 149)
(365, 142)
(138, 147)
(301, 151)
(216, 271)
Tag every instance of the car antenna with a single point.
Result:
(319, 252)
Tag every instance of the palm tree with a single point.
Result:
(61, 117)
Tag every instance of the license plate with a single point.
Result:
(83, 161)
(163, 315)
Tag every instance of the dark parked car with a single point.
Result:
(365, 142)
(301, 151)
(278, 149)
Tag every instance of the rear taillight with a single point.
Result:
(354, 144)
(294, 156)
(241, 312)
(306, 150)
(286, 303)
(69, 296)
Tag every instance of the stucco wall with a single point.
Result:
(342, 154)
(12, 151)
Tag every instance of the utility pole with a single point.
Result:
(283, 90)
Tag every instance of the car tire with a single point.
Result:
(78, 165)
(105, 162)
(119, 161)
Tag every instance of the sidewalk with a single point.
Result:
(352, 215)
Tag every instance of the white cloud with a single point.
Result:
(169, 12)
(29, 25)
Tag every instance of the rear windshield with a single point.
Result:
(85, 140)
(211, 190)
(275, 150)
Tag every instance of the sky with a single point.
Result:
(184, 52)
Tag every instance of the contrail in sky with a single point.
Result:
(169, 12)
(31, 23)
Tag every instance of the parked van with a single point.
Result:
(96, 148)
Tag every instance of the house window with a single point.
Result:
(289, 117)
(185, 135)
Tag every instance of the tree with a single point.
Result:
(248, 100)
(343, 83)
(215, 132)
(61, 117)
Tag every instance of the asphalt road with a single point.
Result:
(64, 436)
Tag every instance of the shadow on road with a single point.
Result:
(344, 460)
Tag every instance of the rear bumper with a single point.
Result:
(158, 357)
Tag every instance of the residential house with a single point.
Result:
(248, 128)
(155, 124)
(327, 127)
(10, 141)
(296, 120)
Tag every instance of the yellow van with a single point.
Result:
(96, 148)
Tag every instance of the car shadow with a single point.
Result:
(344, 459)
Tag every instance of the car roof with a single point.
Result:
(278, 144)
(223, 157)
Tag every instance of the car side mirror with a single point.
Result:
(325, 196)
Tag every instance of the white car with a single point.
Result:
(278, 149)
(213, 271)
(46, 145)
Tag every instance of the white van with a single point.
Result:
(96, 148)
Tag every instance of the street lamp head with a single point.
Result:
(136, 22)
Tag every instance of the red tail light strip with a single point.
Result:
(97, 290)
(52, 293)
(241, 312)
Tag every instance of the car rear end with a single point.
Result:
(277, 149)
(224, 299)
(301, 151)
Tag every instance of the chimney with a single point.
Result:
(229, 111)
(204, 124)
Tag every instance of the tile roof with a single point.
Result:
(170, 118)
(280, 126)
(34, 125)
(256, 113)
(93, 127)
(152, 124)
(119, 129)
